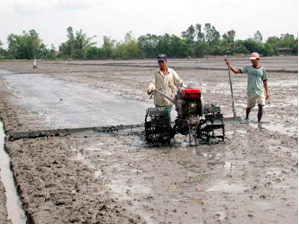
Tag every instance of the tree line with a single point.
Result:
(196, 41)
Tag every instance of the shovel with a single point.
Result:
(233, 99)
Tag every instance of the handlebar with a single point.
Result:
(154, 91)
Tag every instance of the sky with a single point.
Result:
(114, 18)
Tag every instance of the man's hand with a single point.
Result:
(149, 91)
(230, 67)
(265, 82)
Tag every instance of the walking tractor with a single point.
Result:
(203, 122)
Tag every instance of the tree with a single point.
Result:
(131, 46)
(67, 48)
(164, 44)
(227, 43)
(93, 53)
(179, 47)
(48, 53)
(82, 44)
(120, 51)
(52, 52)
(258, 37)
(273, 40)
(76, 46)
(189, 34)
(252, 45)
(108, 47)
(2, 51)
(199, 34)
(70, 44)
(229, 36)
(240, 48)
(147, 45)
(26, 46)
(268, 49)
(201, 49)
(212, 35)
(196, 41)
(287, 40)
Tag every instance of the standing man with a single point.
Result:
(165, 79)
(34, 64)
(256, 83)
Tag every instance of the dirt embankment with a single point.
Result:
(114, 178)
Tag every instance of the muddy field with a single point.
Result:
(92, 177)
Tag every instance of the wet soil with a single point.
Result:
(11, 209)
(117, 178)
(3, 211)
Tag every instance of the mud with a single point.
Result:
(11, 206)
(3, 198)
(3, 211)
(116, 178)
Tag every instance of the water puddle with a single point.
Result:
(290, 131)
(95, 148)
(6, 72)
(13, 204)
(226, 186)
(81, 157)
(122, 186)
(294, 101)
(274, 172)
(127, 192)
(97, 174)
(264, 205)
(229, 166)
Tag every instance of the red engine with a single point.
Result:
(189, 103)
(190, 93)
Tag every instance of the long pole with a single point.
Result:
(231, 90)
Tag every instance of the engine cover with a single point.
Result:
(190, 93)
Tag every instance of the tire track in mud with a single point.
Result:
(12, 136)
